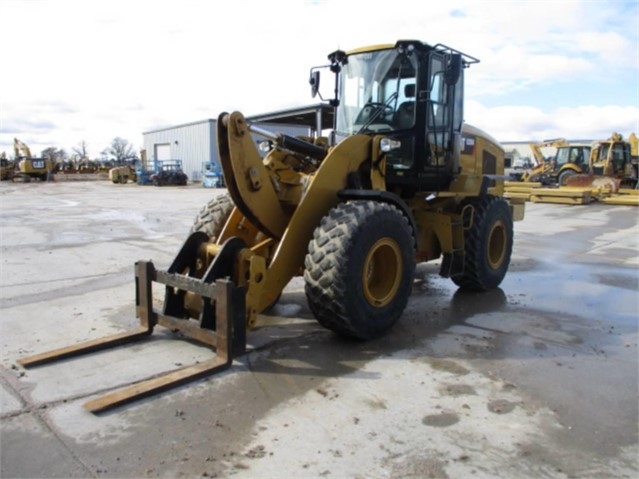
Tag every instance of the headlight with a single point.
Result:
(388, 144)
(265, 146)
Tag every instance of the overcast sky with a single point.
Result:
(94, 70)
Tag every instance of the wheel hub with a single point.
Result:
(382, 272)
(497, 240)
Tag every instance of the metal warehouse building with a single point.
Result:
(195, 143)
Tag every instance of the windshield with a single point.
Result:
(377, 93)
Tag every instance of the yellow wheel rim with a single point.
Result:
(497, 240)
(382, 272)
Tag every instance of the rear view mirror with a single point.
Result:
(453, 69)
(315, 82)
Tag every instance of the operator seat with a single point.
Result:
(405, 115)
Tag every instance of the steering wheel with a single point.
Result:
(386, 109)
(373, 110)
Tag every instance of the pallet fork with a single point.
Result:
(223, 328)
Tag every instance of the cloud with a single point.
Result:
(594, 120)
(118, 68)
(23, 125)
(522, 123)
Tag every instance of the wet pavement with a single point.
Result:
(536, 379)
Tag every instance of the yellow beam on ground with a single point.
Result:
(624, 200)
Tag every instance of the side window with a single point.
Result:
(576, 156)
(438, 111)
(399, 93)
(404, 116)
(617, 152)
(436, 93)
(376, 93)
(618, 156)
(562, 156)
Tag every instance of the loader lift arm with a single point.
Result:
(249, 182)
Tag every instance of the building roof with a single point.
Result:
(306, 115)
(182, 125)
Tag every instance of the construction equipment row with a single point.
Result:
(615, 157)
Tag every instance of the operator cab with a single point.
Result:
(412, 93)
(577, 155)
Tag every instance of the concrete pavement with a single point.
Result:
(536, 379)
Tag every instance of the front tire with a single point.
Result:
(359, 268)
(213, 216)
(488, 244)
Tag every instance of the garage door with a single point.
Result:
(162, 151)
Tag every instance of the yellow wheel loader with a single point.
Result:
(400, 180)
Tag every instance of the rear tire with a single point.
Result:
(488, 245)
(359, 268)
(212, 217)
(564, 175)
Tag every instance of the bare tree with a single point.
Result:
(81, 150)
(54, 154)
(121, 150)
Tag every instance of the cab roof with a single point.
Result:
(417, 44)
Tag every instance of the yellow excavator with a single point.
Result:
(400, 180)
(29, 167)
